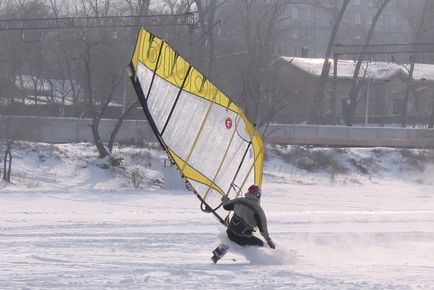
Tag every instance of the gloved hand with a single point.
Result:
(270, 243)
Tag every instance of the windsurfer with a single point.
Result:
(248, 214)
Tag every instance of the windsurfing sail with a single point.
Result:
(207, 136)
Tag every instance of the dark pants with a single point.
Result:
(244, 240)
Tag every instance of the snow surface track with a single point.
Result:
(66, 223)
(375, 236)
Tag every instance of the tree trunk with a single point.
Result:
(97, 138)
(4, 165)
(317, 113)
(119, 124)
(9, 167)
(407, 92)
(431, 118)
(355, 88)
(211, 39)
(95, 115)
(7, 164)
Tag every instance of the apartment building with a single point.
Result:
(311, 25)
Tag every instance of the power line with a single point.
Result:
(185, 19)
(384, 48)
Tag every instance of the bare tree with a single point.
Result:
(138, 7)
(419, 20)
(103, 61)
(317, 112)
(349, 107)
(34, 51)
(101, 65)
(408, 88)
(431, 117)
(11, 131)
(207, 44)
(258, 24)
(68, 63)
(11, 57)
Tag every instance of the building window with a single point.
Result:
(296, 34)
(357, 18)
(373, 3)
(295, 12)
(307, 12)
(345, 19)
(384, 19)
(394, 19)
(366, 19)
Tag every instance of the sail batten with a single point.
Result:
(205, 134)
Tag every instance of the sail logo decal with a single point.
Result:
(228, 123)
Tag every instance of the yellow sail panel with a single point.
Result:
(147, 50)
(207, 136)
(173, 67)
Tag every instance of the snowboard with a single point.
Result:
(219, 252)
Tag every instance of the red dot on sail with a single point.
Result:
(228, 122)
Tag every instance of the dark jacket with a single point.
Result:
(248, 214)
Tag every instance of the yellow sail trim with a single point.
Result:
(147, 50)
(173, 67)
(258, 149)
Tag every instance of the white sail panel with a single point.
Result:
(231, 164)
(213, 142)
(161, 97)
(145, 76)
(184, 124)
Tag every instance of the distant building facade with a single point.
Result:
(381, 98)
(311, 25)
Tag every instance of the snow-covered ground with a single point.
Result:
(66, 223)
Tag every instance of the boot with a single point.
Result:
(219, 252)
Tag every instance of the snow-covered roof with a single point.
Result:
(423, 72)
(374, 69)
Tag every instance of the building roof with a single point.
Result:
(423, 72)
(377, 70)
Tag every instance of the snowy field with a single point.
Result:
(65, 223)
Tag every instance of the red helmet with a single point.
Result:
(255, 190)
